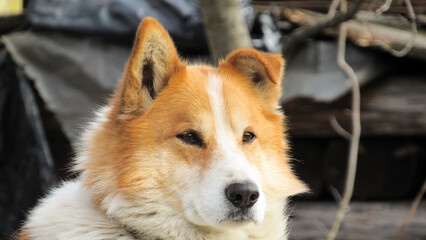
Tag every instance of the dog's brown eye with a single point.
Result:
(191, 137)
(248, 137)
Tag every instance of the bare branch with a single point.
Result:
(339, 129)
(365, 33)
(384, 7)
(335, 193)
(333, 8)
(356, 132)
(409, 45)
(300, 34)
(413, 208)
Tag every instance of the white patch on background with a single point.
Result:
(229, 165)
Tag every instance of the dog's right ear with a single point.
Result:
(153, 60)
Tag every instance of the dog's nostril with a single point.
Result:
(236, 197)
(254, 196)
(242, 195)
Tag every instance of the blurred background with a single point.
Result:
(61, 59)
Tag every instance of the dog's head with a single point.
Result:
(207, 142)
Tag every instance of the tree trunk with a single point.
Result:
(224, 26)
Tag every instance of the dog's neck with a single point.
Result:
(146, 224)
(135, 234)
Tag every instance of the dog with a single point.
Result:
(185, 152)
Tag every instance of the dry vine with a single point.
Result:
(413, 209)
(354, 136)
(302, 33)
(356, 122)
(335, 18)
(409, 45)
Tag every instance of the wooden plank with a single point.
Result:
(366, 35)
(419, 6)
(364, 221)
(396, 106)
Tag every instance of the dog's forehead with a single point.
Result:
(201, 97)
(205, 90)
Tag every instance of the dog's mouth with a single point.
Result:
(239, 217)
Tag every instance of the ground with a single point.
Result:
(365, 221)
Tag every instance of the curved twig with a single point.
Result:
(339, 129)
(413, 208)
(299, 35)
(355, 136)
(409, 45)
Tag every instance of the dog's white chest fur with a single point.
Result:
(67, 213)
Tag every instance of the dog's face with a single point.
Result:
(206, 141)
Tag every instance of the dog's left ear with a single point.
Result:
(152, 62)
(264, 70)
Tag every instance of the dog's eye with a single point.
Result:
(191, 137)
(248, 137)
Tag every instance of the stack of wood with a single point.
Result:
(397, 6)
(392, 30)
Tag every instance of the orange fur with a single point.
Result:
(184, 105)
(24, 234)
(135, 153)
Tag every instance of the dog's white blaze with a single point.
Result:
(229, 164)
(227, 150)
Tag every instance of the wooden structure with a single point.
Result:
(396, 106)
(419, 6)
(365, 221)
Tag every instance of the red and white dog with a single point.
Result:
(180, 152)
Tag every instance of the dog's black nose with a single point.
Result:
(242, 195)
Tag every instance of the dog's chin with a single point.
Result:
(231, 220)
(239, 218)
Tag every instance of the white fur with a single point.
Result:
(87, 134)
(208, 204)
(67, 213)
